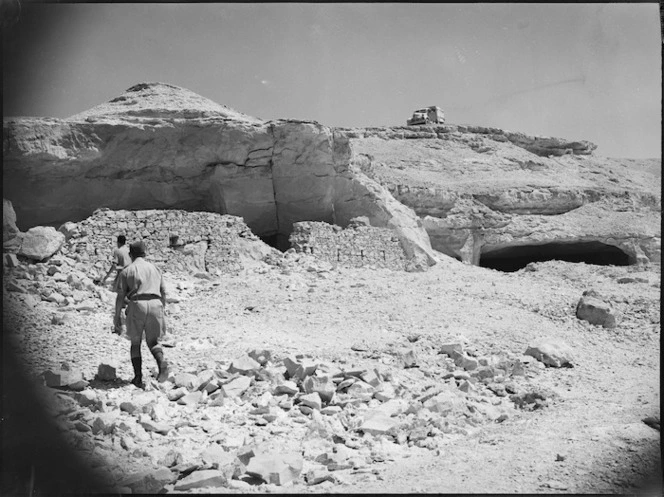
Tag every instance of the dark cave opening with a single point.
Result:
(278, 241)
(514, 258)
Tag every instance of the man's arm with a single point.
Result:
(162, 289)
(114, 265)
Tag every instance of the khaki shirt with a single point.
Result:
(141, 278)
(121, 257)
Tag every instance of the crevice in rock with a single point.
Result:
(511, 259)
(277, 240)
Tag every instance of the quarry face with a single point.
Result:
(469, 192)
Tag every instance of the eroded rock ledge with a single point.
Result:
(461, 190)
(544, 146)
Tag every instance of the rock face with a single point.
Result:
(470, 192)
(483, 192)
(159, 146)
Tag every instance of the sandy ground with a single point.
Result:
(590, 438)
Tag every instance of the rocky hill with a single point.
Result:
(481, 195)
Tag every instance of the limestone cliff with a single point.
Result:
(467, 191)
(162, 147)
(482, 190)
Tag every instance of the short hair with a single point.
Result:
(137, 249)
(122, 239)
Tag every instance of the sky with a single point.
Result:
(578, 71)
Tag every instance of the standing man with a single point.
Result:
(143, 286)
(121, 260)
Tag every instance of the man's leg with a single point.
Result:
(154, 327)
(135, 323)
(158, 354)
(137, 363)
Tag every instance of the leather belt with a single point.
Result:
(146, 296)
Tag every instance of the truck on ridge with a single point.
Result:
(429, 115)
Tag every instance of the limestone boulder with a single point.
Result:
(551, 352)
(596, 311)
(65, 378)
(378, 423)
(275, 467)
(41, 242)
(236, 387)
(244, 365)
(106, 372)
(323, 386)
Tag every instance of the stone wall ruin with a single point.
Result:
(358, 245)
(176, 240)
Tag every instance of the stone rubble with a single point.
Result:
(334, 418)
(207, 426)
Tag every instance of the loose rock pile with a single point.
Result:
(60, 280)
(259, 419)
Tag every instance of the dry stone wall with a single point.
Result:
(355, 246)
(176, 240)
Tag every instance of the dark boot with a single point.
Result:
(158, 355)
(137, 362)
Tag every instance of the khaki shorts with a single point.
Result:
(116, 282)
(145, 316)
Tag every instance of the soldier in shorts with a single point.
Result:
(143, 286)
(121, 260)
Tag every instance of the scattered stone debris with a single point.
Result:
(335, 417)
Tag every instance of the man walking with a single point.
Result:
(121, 260)
(143, 286)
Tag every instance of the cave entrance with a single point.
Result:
(514, 258)
(278, 241)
